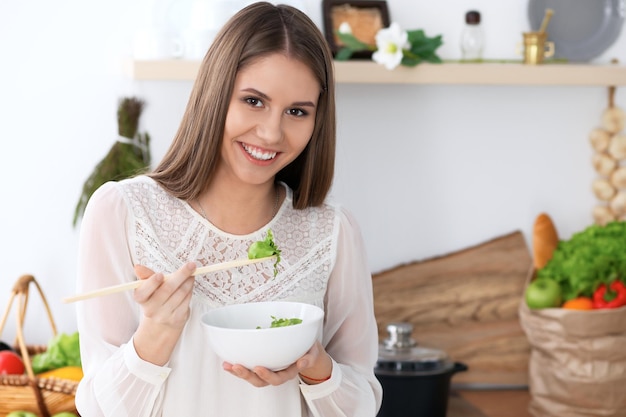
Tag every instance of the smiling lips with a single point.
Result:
(258, 154)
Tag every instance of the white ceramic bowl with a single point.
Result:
(234, 336)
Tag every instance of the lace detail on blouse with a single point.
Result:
(166, 232)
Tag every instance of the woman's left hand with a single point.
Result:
(314, 363)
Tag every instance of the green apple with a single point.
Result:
(21, 414)
(543, 293)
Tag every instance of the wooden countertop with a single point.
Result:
(489, 403)
(460, 407)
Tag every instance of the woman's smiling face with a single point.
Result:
(270, 120)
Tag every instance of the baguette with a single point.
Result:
(545, 240)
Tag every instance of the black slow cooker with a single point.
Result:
(415, 380)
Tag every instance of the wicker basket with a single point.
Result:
(42, 396)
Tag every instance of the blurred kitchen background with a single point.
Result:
(426, 169)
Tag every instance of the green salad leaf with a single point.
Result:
(276, 322)
(589, 258)
(265, 248)
(63, 350)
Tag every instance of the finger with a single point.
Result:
(178, 277)
(177, 286)
(244, 373)
(147, 289)
(143, 272)
(278, 377)
(167, 299)
(166, 287)
(309, 358)
(179, 300)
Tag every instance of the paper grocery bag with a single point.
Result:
(577, 363)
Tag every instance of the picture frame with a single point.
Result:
(366, 18)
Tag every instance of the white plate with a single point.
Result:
(580, 29)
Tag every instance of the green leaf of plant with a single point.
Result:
(409, 59)
(124, 159)
(343, 54)
(350, 41)
(422, 49)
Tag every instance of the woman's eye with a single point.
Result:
(253, 101)
(297, 112)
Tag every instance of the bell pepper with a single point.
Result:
(613, 296)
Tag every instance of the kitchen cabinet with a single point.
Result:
(368, 72)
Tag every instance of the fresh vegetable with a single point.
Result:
(284, 322)
(63, 350)
(579, 303)
(543, 293)
(589, 258)
(20, 413)
(73, 373)
(612, 296)
(276, 322)
(11, 363)
(264, 249)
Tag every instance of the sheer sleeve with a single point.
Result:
(350, 333)
(117, 382)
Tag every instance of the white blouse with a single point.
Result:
(323, 262)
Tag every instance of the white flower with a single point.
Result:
(344, 27)
(389, 43)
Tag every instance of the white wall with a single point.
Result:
(426, 169)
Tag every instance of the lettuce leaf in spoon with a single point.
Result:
(265, 248)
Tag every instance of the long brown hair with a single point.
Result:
(255, 31)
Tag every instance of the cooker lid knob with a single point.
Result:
(399, 354)
(399, 336)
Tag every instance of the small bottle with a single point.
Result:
(472, 37)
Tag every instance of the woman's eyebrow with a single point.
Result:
(304, 104)
(266, 97)
(257, 92)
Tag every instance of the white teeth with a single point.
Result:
(257, 154)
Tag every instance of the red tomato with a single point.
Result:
(11, 363)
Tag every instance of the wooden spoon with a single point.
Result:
(134, 284)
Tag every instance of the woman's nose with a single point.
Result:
(270, 128)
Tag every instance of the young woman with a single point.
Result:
(254, 151)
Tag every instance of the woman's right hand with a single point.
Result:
(165, 301)
(165, 307)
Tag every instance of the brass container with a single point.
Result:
(536, 47)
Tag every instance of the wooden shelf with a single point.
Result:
(165, 70)
(368, 72)
(482, 74)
